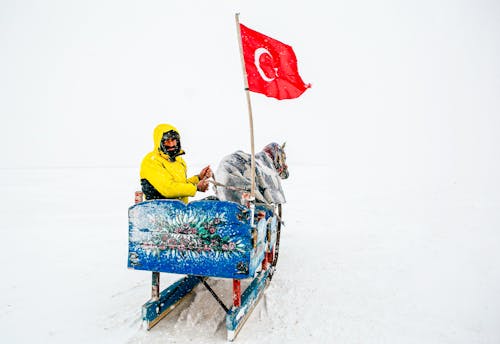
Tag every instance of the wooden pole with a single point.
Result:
(236, 292)
(249, 105)
(155, 286)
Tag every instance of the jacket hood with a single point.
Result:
(160, 130)
(158, 134)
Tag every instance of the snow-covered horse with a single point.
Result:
(234, 173)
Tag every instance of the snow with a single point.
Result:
(396, 267)
(392, 215)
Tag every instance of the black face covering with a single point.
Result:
(172, 134)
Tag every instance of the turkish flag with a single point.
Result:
(271, 66)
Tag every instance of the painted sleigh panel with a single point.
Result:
(205, 238)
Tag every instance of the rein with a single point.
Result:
(235, 188)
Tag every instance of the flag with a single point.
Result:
(271, 66)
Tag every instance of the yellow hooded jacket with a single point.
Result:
(169, 178)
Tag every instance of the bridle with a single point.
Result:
(279, 160)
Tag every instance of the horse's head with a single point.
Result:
(277, 153)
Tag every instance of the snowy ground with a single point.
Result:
(417, 264)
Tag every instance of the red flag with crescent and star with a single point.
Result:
(271, 66)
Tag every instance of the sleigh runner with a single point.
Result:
(204, 239)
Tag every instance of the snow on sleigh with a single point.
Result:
(209, 238)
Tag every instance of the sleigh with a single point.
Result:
(204, 239)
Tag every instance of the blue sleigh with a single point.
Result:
(204, 239)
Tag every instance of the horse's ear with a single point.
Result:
(283, 145)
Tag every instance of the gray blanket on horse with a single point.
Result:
(234, 171)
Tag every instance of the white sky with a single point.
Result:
(401, 89)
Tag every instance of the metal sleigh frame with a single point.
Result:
(227, 240)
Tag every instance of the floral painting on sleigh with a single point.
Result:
(206, 238)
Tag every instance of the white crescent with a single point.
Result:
(257, 55)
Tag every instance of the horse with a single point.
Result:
(234, 172)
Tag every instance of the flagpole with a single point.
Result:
(249, 105)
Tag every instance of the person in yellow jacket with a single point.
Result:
(164, 172)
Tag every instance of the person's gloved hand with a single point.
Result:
(202, 185)
(205, 173)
